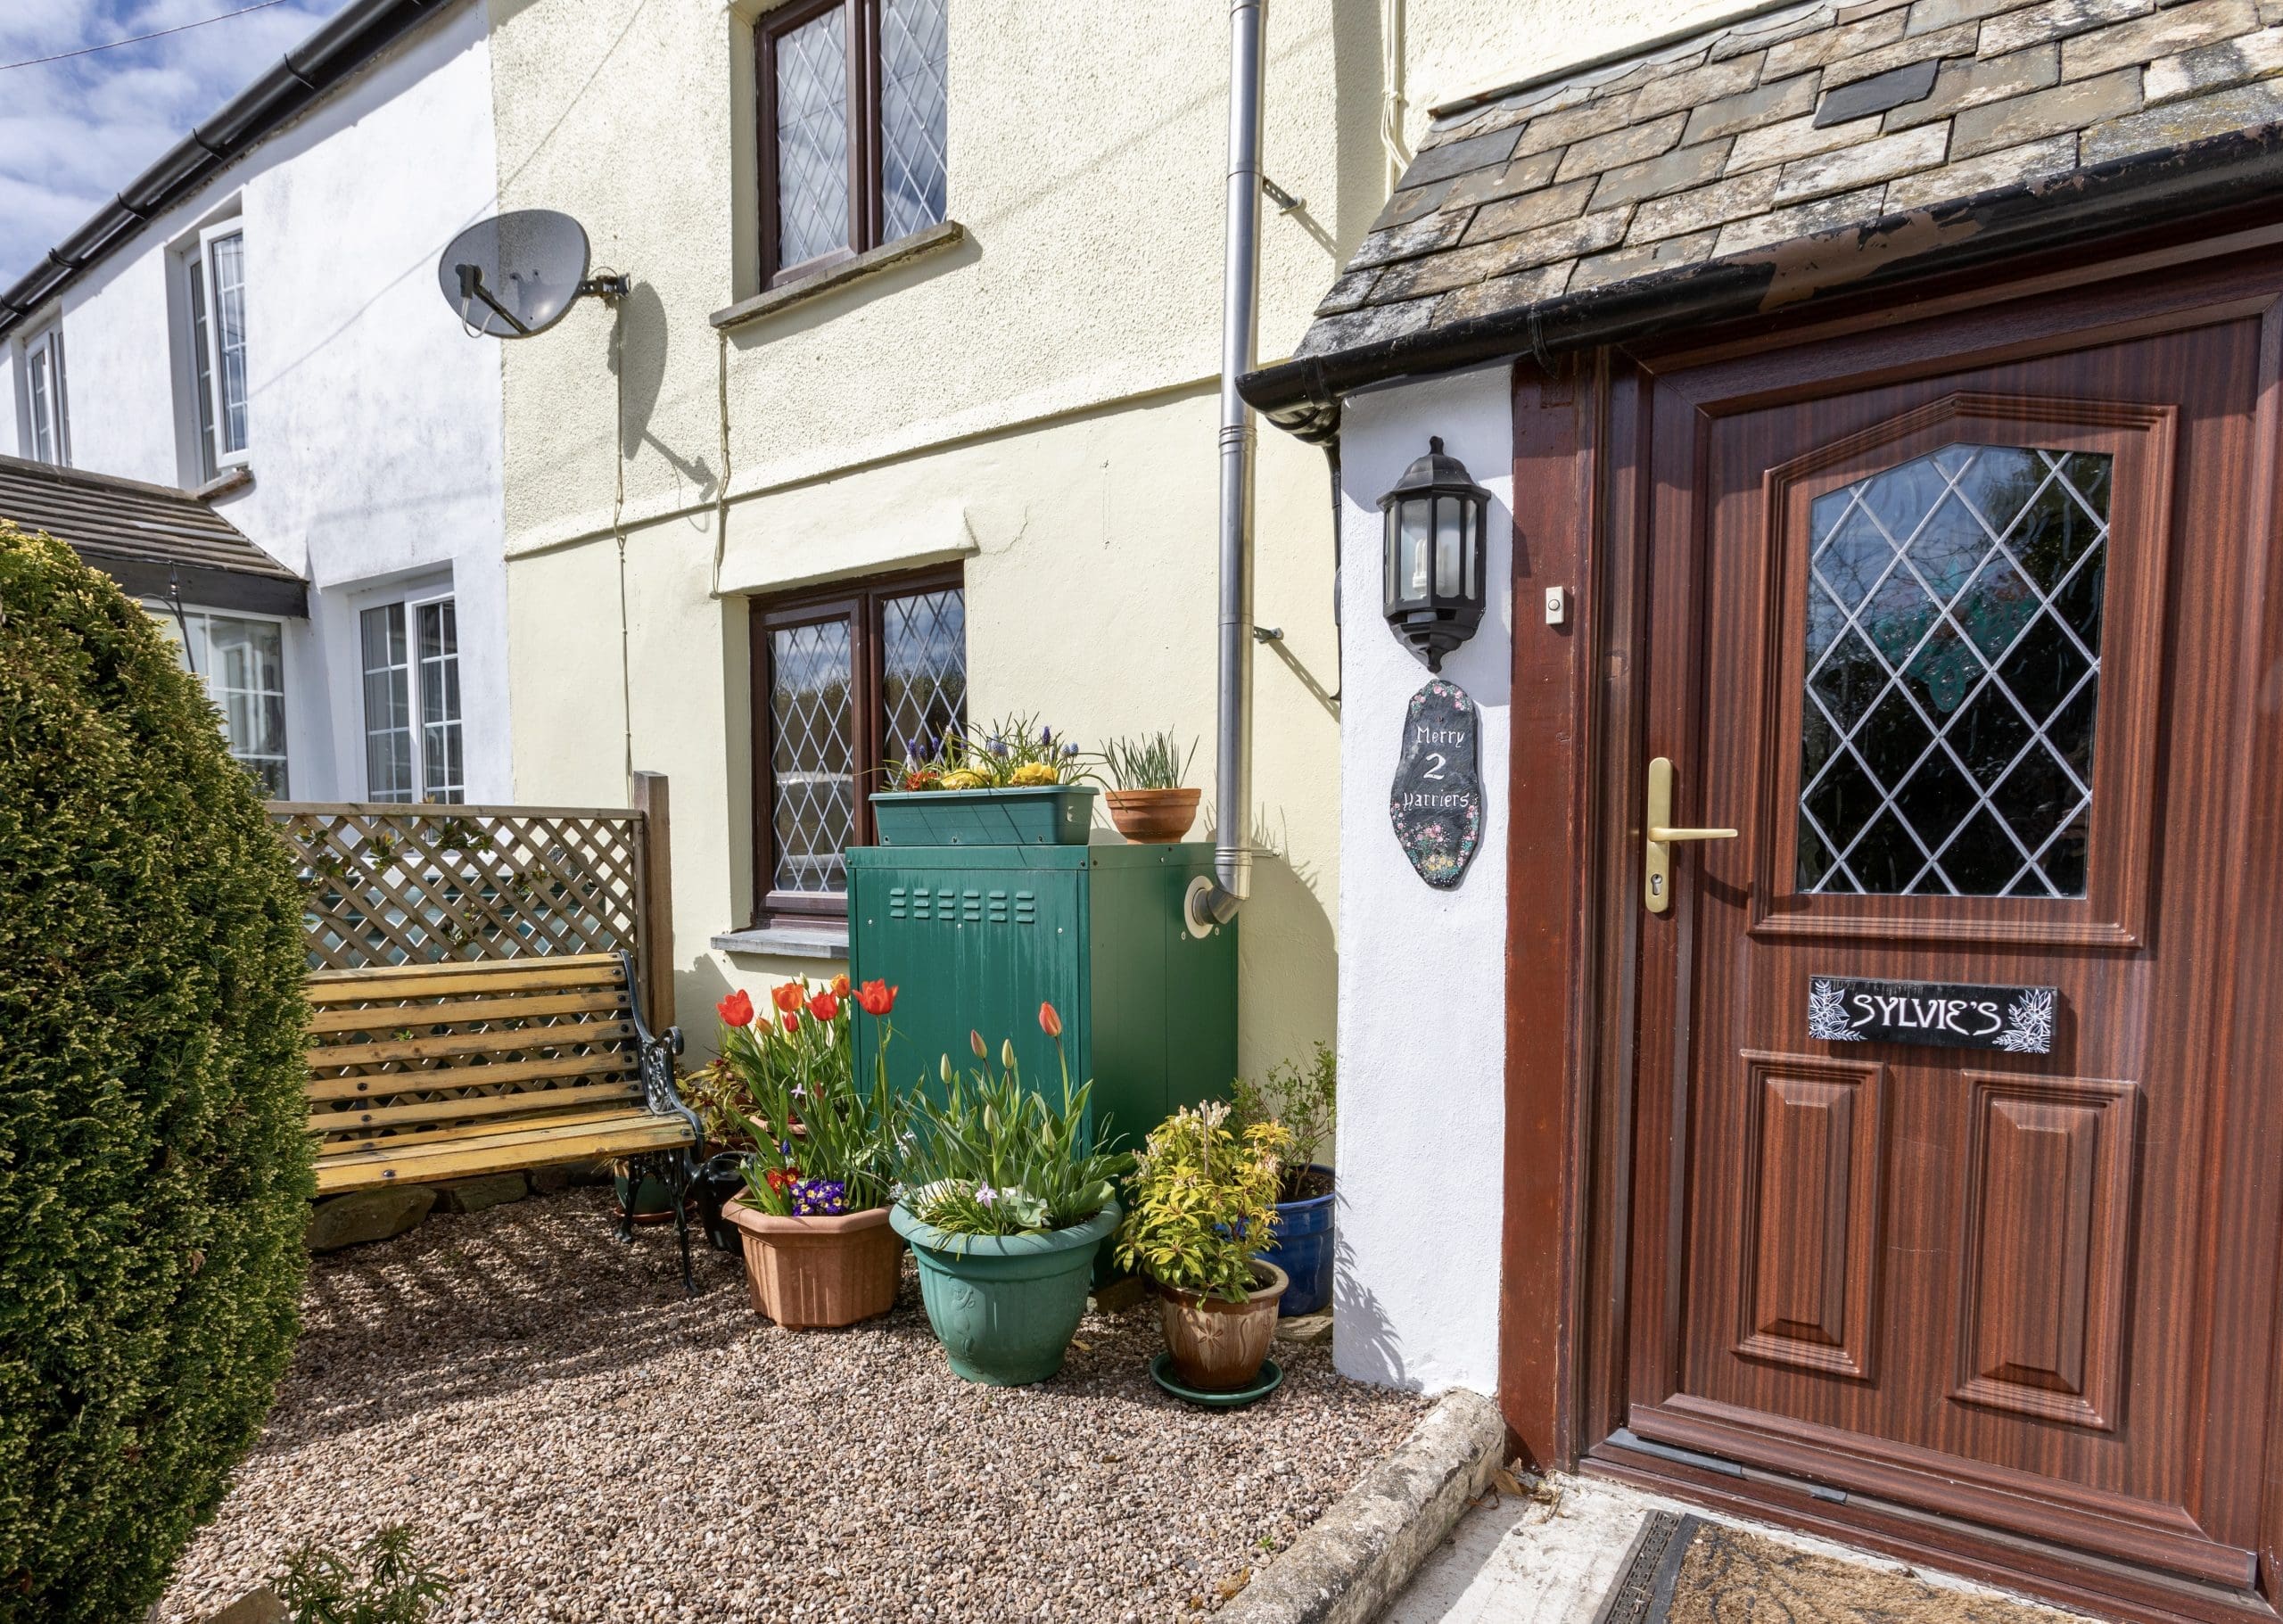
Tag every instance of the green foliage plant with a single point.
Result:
(1200, 1201)
(384, 1581)
(1306, 1100)
(154, 1172)
(812, 1128)
(995, 1159)
(1149, 761)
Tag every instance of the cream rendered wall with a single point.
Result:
(1036, 399)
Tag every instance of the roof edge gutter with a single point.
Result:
(2127, 196)
(337, 48)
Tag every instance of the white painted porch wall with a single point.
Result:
(374, 424)
(1422, 978)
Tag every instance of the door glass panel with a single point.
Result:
(1953, 662)
(812, 755)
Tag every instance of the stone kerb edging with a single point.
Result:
(1366, 1548)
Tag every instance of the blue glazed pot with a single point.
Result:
(1303, 1250)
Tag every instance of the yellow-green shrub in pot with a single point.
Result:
(1201, 1197)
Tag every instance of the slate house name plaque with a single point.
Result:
(1436, 804)
(1948, 1014)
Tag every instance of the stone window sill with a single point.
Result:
(786, 941)
(870, 263)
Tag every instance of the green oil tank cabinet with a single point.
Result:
(976, 938)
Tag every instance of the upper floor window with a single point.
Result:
(216, 273)
(412, 702)
(852, 129)
(47, 422)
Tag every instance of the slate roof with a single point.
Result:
(152, 539)
(1798, 123)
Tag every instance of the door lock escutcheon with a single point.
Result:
(1657, 886)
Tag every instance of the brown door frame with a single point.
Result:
(1580, 716)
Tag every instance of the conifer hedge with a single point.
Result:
(154, 1171)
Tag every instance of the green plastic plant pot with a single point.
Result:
(1048, 814)
(1005, 1307)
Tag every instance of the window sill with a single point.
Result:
(870, 263)
(227, 482)
(786, 941)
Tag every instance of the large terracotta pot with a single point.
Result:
(1217, 1347)
(808, 1274)
(1151, 817)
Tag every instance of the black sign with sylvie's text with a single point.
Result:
(1437, 801)
(1952, 1015)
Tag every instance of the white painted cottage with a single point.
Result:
(255, 322)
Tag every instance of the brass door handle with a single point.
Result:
(1657, 882)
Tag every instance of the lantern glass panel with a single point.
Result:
(1450, 542)
(1412, 570)
(1471, 533)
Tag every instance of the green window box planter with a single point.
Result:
(1053, 814)
(1005, 1307)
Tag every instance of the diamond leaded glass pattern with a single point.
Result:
(1953, 665)
(912, 99)
(923, 668)
(811, 755)
(813, 138)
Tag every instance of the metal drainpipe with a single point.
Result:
(1240, 311)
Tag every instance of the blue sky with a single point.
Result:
(73, 133)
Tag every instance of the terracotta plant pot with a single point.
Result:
(1152, 817)
(1217, 1347)
(812, 1274)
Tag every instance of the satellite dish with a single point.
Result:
(516, 274)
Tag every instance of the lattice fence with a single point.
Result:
(435, 884)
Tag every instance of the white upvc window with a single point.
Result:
(217, 276)
(241, 658)
(413, 735)
(46, 416)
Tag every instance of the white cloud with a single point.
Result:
(74, 132)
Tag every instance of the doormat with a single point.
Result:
(1683, 1570)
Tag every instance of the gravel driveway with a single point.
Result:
(580, 1442)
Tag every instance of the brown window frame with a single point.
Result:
(866, 203)
(862, 604)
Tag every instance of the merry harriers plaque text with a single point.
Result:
(1952, 1015)
(1437, 801)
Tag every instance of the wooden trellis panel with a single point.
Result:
(392, 884)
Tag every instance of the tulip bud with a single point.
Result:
(975, 1042)
(1007, 1053)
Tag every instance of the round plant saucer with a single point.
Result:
(1271, 1377)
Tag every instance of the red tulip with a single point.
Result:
(788, 997)
(1049, 1022)
(824, 1006)
(736, 1009)
(792, 1023)
(876, 997)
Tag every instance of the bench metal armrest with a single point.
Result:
(655, 1058)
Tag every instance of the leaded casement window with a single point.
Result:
(411, 667)
(845, 681)
(241, 660)
(1954, 608)
(853, 98)
(46, 416)
(216, 279)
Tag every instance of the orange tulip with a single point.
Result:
(1049, 1022)
(876, 997)
(840, 986)
(736, 1009)
(788, 997)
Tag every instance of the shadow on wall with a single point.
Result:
(1363, 1341)
(638, 357)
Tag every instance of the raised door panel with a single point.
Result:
(2048, 1233)
(1812, 1158)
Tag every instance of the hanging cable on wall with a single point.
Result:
(618, 531)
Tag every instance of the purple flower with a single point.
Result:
(819, 1198)
(1045, 735)
(984, 1195)
(999, 747)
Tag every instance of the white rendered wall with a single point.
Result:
(375, 426)
(1422, 981)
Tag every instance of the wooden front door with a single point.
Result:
(1969, 663)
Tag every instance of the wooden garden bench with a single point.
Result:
(426, 1072)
